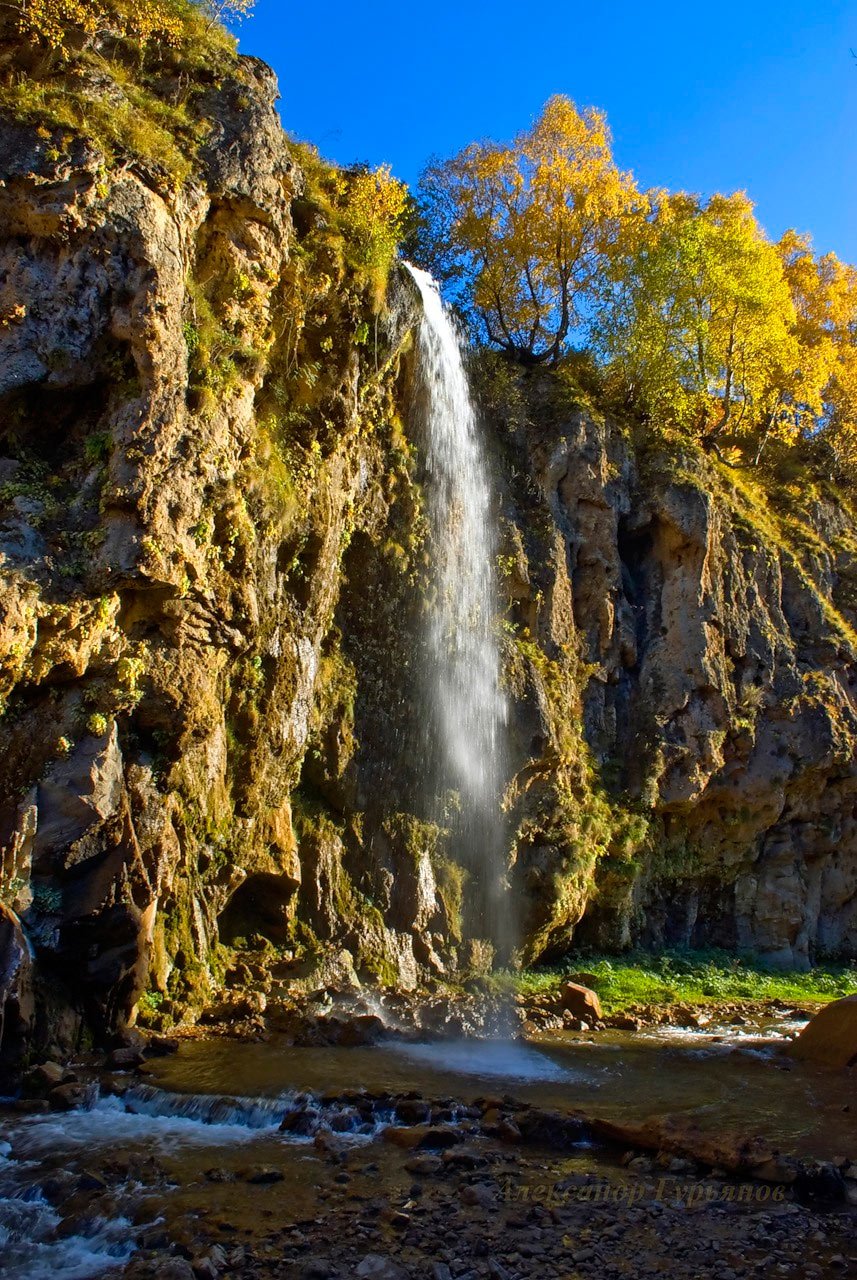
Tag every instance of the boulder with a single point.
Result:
(677, 1135)
(830, 1038)
(580, 1002)
(45, 1076)
(68, 1097)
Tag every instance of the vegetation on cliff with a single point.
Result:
(703, 327)
(133, 80)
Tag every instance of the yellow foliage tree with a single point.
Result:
(702, 321)
(371, 207)
(825, 298)
(519, 232)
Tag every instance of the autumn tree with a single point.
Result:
(519, 232)
(371, 206)
(824, 292)
(703, 324)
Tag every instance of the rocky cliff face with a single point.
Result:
(214, 563)
(186, 453)
(712, 621)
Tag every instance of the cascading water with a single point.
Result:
(466, 705)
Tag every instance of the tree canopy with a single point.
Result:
(704, 324)
(519, 232)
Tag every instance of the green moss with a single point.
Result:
(451, 883)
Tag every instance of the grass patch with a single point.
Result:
(693, 978)
(133, 95)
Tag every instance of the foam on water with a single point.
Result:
(494, 1059)
(30, 1248)
(33, 1245)
(154, 1117)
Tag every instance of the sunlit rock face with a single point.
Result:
(716, 684)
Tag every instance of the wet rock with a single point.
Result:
(46, 1076)
(623, 1022)
(572, 1023)
(330, 1144)
(345, 1121)
(30, 1106)
(161, 1046)
(303, 1121)
(550, 1128)
(317, 1269)
(412, 1111)
(205, 1268)
(234, 1007)
(175, 1269)
(478, 1194)
(68, 1097)
(464, 1157)
(424, 1166)
(125, 1059)
(426, 1136)
(17, 1001)
(677, 1136)
(820, 1181)
(830, 1038)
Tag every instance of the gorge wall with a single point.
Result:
(214, 561)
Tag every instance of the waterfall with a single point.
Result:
(466, 707)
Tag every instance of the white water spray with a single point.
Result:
(464, 686)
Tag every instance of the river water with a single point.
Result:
(218, 1105)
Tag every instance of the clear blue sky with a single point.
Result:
(759, 94)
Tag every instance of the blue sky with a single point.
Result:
(759, 95)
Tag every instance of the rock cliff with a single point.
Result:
(705, 619)
(214, 561)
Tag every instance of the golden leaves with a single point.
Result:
(520, 229)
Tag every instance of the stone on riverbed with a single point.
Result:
(425, 1136)
(580, 1002)
(830, 1039)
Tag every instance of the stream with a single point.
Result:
(198, 1133)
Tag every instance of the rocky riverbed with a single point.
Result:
(662, 1151)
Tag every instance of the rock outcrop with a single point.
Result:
(697, 630)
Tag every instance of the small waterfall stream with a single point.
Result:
(466, 704)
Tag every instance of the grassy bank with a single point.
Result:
(693, 978)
